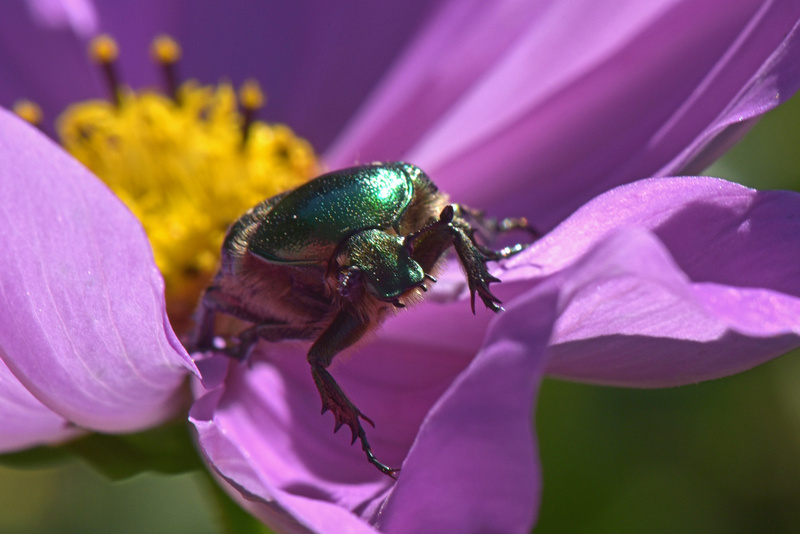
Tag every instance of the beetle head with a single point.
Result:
(380, 264)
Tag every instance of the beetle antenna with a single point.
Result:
(445, 218)
(398, 304)
(430, 277)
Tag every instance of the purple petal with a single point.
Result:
(26, 421)
(42, 60)
(774, 82)
(263, 429)
(474, 465)
(701, 220)
(85, 329)
(432, 324)
(559, 102)
(221, 41)
(651, 327)
(244, 433)
(317, 62)
(79, 15)
(713, 290)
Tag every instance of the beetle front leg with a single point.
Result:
(451, 230)
(345, 330)
(474, 262)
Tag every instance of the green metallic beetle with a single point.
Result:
(330, 260)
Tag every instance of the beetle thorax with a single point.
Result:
(375, 265)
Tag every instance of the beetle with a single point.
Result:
(330, 260)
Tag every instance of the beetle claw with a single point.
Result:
(367, 419)
(478, 281)
(346, 413)
(489, 300)
(383, 468)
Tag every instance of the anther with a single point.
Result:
(29, 111)
(104, 51)
(251, 99)
(166, 51)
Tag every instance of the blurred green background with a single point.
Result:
(718, 457)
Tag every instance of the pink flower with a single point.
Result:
(520, 107)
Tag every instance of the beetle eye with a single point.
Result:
(349, 281)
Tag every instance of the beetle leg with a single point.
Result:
(474, 255)
(215, 301)
(202, 337)
(490, 226)
(345, 330)
(474, 262)
(503, 253)
(247, 339)
(476, 222)
(457, 232)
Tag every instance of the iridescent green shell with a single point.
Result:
(309, 223)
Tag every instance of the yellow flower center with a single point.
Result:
(187, 164)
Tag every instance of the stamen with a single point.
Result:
(252, 99)
(104, 51)
(166, 51)
(29, 111)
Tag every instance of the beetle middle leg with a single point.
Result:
(247, 339)
(215, 301)
(345, 330)
(489, 227)
(476, 222)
